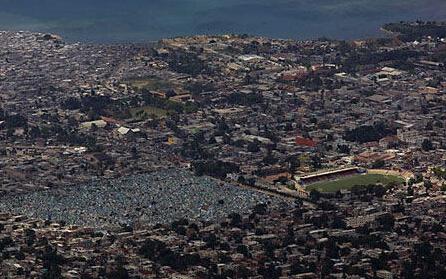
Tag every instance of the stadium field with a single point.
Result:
(349, 182)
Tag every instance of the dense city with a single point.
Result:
(227, 156)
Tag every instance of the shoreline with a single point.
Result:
(66, 39)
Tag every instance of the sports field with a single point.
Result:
(349, 182)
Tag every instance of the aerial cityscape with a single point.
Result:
(224, 155)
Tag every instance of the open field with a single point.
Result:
(150, 83)
(149, 111)
(349, 182)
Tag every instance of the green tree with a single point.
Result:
(51, 261)
(378, 164)
(427, 145)
(315, 195)
(427, 184)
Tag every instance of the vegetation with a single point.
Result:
(343, 148)
(187, 63)
(150, 83)
(378, 164)
(359, 58)
(427, 145)
(148, 111)
(350, 182)
(369, 133)
(215, 168)
(199, 87)
(415, 31)
(156, 250)
(439, 172)
(15, 121)
(165, 104)
(250, 99)
(97, 105)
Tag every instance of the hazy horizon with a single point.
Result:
(140, 20)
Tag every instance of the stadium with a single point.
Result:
(344, 179)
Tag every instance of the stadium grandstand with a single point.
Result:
(329, 175)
